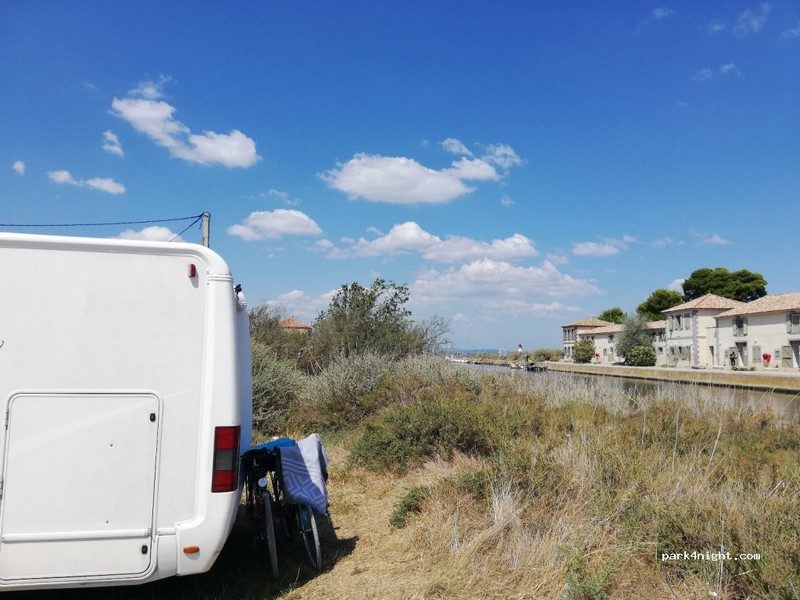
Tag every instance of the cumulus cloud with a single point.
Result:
(111, 143)
(105, 184)
(708, 239)
(395, 180)
(62, 176)
(709, 73)
(502, 155)
(154, 233)
(302, 305)
(144, 109)
(506, 201)
(410, 237)
(265, 224)
(324, 244)
(677, 285)
(557, 258)
(608, 247)
(473, 168)
(455, 146)
(402, 180)
(751, 21)
(102, 184)
(19, 167)
(491, 281)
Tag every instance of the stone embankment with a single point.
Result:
(759, 380)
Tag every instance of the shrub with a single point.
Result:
(411, 502)
(633, 334)
(641, 356)
(277, 385)
(403, 436)
(545, 354)
(583, 351)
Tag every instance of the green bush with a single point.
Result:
(403, 436)
(277, 386)
(545, 354)
(411, 502)
(641, 356)
(583, 351)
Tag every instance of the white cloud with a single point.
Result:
(751, 21)
(506, 200)
(608, 247)
(111, 143)
(374, 230)
(488, 282)
(102, 184)
(473, 168)
(791, 33)
(301, 304)
(154, 233)
(677, 285)
(709, 73)
(153, 117)
(455, 146)
(265, 224)
(401, 180)
(533, 309)
(19, 167)
(557, 258)
(324, 244)
(715, 240)
(283, 197)
(502, 155)
(410, 237)
(710, 239)
(62, 176)
(105, 184)
(394, 179)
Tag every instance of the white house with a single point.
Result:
(605, 338)
(691, 330)
(769, 325)
(573, 331)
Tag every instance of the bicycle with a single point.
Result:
(269, 509)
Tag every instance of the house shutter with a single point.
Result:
(687, 325)
(744, 327)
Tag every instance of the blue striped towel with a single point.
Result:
(305, 468)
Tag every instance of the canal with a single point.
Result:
(785, 405)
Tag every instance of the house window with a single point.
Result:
(793, 324)
(739, 326)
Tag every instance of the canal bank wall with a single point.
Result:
(757, 380)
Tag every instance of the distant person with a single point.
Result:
(732, 356)
(519, 349)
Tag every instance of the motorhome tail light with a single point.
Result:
(192, 271)
(225, 477)
(191, 549)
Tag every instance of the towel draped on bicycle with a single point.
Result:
(285, 492)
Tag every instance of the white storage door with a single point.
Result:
(78, 484)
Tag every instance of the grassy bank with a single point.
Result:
(448, 482)
(560, 487)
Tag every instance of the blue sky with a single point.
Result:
(518, 165)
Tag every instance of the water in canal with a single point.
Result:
(786, 405)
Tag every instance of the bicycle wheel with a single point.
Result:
(307, 526)
(269, 532)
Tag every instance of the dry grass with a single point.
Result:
(582, 486)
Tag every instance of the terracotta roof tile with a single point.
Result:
(709, 301)
(613, 328)
(292, 323)
(765, 304)
(589, 322)
(655, 325)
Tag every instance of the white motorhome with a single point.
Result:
(125, 382)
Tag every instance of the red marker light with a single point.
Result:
(192, 271)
